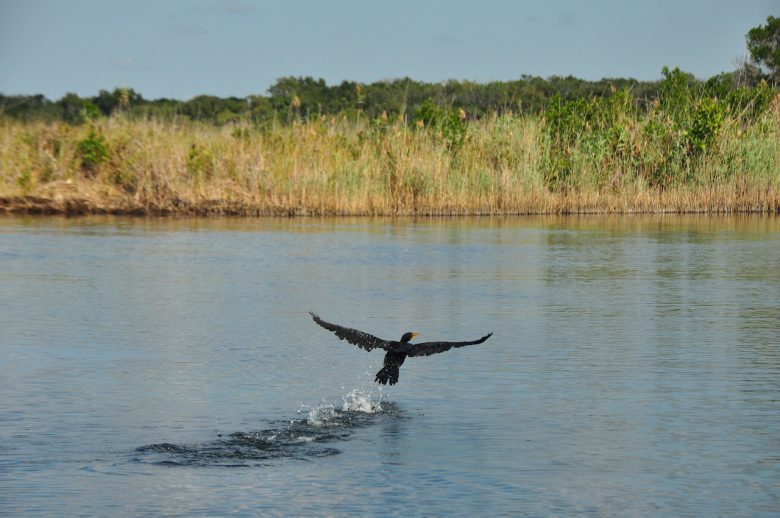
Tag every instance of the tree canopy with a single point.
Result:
(300, 98)
(763, 43)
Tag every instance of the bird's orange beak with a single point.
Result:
(415, 334)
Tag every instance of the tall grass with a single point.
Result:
(605, 155)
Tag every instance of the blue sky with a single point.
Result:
(180, 49)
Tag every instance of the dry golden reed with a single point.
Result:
(336, 166)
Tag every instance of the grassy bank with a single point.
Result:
(579, 157)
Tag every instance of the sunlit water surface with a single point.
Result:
(170, 367)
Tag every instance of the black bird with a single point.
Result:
(396, 351)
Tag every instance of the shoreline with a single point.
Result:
(503, 166)
(662, 203)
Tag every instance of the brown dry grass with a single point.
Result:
(336, 167)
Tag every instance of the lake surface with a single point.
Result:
(162, 366)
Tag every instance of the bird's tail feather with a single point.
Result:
(388, 374)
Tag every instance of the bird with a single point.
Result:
(396, 351)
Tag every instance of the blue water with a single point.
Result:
(162, 366)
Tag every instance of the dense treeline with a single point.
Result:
(296, 98)
(404, 147)
(305, 98)
(698, 146)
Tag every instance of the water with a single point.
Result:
(170, 367)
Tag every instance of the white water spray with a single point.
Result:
(359, 401)
(326, 413)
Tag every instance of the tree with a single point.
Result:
(120, 98)
(76, 110)
(29, 107)
(763, 43)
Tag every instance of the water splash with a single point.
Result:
(300, 439)
(359, 401)
(356, 401)
(323, 414)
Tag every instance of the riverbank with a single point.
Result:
(338, 166)
(726, 199)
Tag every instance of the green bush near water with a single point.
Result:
(92, 151)
(449, 123)
(678, 132)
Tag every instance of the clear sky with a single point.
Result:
(179, 49)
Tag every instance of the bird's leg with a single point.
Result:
(389, 373)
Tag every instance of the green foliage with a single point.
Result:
(91, 112)
(301, 99)
(565, 120)
(677, 94)
(749, 104)
(29, 107)
(76, 110)
(763, 43)
(200, 163)
(608, 113)
(450, 124)
(594, 136)
(603, 153)
(599, 125)
(92, 151)
(295, 99)
(527, 95)
(226, 117)
(205, 107)
(683, 124)
(705, 125)
(117, 100)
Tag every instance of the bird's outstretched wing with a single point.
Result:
(354, 336)
(428, 348)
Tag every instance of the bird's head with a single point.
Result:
(408, 336)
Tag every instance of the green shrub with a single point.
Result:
(76, 110)
(92, 151)
(200, 163)
(565, 120)
(450, 124)
(750, 103)
(705, 126)
(677, 96)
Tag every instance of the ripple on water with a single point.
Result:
(299, 439)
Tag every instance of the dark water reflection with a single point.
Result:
(170, 367)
